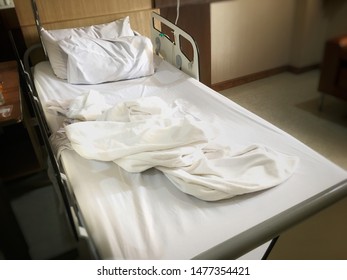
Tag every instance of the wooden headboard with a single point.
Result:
(55, 14)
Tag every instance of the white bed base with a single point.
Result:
(237, 245)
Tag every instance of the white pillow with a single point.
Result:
(58, 59)
(93, 60)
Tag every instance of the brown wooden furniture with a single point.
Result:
(11, 108)
(20, 148)
(173, 3)
(333, 77)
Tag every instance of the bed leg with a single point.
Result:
(269, 249)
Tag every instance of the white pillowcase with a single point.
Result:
(51, 38)
(93, 60)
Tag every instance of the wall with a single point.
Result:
(309, 31)
(250, 36)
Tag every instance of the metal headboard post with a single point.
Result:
(38, 25)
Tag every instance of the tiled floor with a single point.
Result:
(43, 223)
(291, 102)
(41, 218)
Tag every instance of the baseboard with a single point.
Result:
(261, 75)
(300, 70)
(248, 78)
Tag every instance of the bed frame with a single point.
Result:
(169, 47)
(171, 51)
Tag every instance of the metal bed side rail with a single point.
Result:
(38, 25)
(67, 197)
(171, 50)
(45, 134)
(242, 243)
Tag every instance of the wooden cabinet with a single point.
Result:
(10, 99)
(20, 148)
(333, 74)
(173, 3)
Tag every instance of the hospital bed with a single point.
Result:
(147, 214)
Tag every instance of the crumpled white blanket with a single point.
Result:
(146, 133)
(86, 107)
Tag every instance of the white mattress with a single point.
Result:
(142, 215)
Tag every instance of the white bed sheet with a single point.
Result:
(142, 215)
